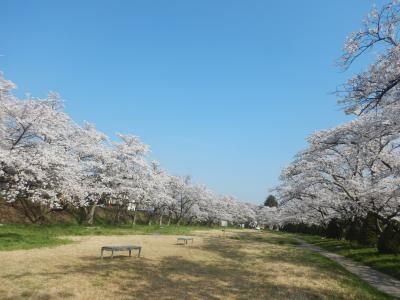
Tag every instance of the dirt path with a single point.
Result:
(382, 282)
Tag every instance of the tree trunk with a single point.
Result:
(134, 217)
(378, 226)
(161, 216)
(27, 211)
(90, 218)
(117, 215)
(32, 212)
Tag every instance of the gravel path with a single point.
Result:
(382, 282)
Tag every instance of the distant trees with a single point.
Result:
(271, 201)
(49, 163)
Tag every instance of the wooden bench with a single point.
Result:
(121, 248)
(185, 239)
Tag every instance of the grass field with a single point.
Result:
(386, 263)
(13, 237)
(241, 265)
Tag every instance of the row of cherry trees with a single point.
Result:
(352, 171)
(49, 163)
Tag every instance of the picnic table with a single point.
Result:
(185, 239)
(116, 248)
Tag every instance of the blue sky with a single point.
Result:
(224, 90)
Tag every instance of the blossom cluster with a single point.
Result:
(49, 160)
(353, 169)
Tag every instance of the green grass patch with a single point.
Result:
(356, 288)
(13, 237)
(360, 288)
(260, 237)
(386, 263)
(12, 240)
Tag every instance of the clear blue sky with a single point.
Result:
(223, 90)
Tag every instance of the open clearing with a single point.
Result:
(242, 265)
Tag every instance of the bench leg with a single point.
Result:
(140, 250)
(130, 252)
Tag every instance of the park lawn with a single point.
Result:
(386, 263)
(239, 264)
(13, 237)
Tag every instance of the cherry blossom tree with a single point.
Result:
(348, 171)
(379, 84)
(35, 164)
(159, 198)
(50, 163)
(351, 170)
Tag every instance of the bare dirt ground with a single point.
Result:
(259, 266)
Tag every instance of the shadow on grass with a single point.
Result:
(177, 278)
(234, 273)
(11, 237)
(265, 238)
(386, 263)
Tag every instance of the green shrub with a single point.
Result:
(369, 232)
(334, 230)
(303, 228)
(353, 231)
(389, 241)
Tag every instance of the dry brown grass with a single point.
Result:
(257, 265)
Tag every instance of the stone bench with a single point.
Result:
(121, 248)
(185, 239)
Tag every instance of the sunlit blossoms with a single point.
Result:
(49, 163)
(351, 172)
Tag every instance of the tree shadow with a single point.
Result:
(174, 277)
(231, 275)
(10, 236)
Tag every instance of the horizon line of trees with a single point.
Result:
(49, 163)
